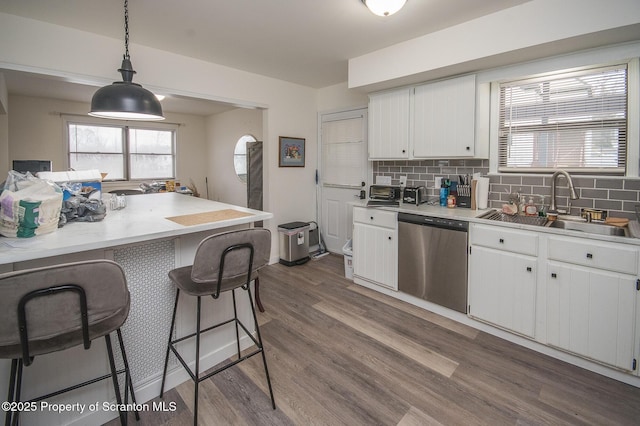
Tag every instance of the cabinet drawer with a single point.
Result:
(375, 217)
(510, 240)
(602, 255)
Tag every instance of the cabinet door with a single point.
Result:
(591, 312)
(375, 254)
(389, 124)
(444, 118)
(502, 289)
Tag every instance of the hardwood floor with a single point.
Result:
(341, 354)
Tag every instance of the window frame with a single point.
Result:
(535, 130)
(609, 55)
(126, 153)
(244, 137)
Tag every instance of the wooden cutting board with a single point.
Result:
(617, 221)
(208, 217)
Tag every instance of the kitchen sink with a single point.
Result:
(570, 223)
(589, 227)
(503, 217)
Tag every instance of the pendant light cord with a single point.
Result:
(126, 29)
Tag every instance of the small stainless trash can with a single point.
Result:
(294, 243)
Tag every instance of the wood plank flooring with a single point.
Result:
(341, 354)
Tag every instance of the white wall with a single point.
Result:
(340, 97)
(35, 46)
(528, 31)
(223, 132)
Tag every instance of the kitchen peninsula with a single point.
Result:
(152, 235)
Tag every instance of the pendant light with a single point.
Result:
(384, 7)
(125, 100)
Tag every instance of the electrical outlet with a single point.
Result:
(403, 181)
(383, 180)
(438, 182)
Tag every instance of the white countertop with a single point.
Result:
(143, 219)
(474, 216)
(430, 210)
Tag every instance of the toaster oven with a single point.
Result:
(384, 192)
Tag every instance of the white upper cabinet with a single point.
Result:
(389, 124)
(435, 120)
(444, 118)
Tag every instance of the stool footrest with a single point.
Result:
(74, 387)
(230, 364)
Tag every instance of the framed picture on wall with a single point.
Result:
(291, 152)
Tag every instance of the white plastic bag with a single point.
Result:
(29, 206)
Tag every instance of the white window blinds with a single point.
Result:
(343, 150)
(576, 121)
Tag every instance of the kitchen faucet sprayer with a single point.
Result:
(554, 179)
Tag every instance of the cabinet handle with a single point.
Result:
(589, 256)
(468, 148)
(501, 240)
(371, 217)
(529, 269)
(389, 238)
(404, 151)
(553, 275)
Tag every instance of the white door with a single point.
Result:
(344, 172)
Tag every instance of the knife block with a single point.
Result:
(464, 196)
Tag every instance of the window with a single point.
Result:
(576, 121)
(240, 156)
(123, 152)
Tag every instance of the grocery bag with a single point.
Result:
(29, 206)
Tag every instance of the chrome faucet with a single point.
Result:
(554, 179)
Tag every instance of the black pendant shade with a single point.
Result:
(126, 100)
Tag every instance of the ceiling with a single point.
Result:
(301, 41)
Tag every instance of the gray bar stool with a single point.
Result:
(45, 310)
(223, 262)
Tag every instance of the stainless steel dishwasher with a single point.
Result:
(432, 259)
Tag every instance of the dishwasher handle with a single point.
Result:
(438, 222)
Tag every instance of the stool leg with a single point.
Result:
(235, 316)
(257, 295)
(197, 372)
(166, 358)
(128, 381)
(264, 357)
(12, 389)
(15, 415)
(114, 376)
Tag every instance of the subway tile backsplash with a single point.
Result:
(619, 196)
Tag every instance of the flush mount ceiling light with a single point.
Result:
(125, 100)
(384, 7)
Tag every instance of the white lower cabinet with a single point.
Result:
(375, 246)
(502, 281)
(508, 298)
(591, 311)
(575, 294)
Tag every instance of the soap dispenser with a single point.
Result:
(522, 206)
(530, 208)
